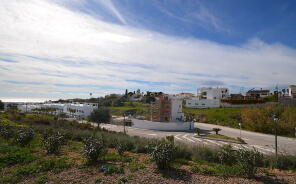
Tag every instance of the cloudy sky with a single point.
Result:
(53, 49)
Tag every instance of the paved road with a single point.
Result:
(262, 142)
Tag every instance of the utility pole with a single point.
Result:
(275, 119)
(124, 123)
(240, 130)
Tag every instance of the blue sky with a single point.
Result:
(68, 48)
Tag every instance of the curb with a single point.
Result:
(223, 140)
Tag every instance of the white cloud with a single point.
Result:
(73, 48)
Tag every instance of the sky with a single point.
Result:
(52, 49)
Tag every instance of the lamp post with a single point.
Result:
(124, 123)
(240, 130)
(275, 120)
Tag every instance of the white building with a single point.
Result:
(202, 103)
(208, 98)
(176, 109)
(73, 110)
(185, 95)
(213, 93)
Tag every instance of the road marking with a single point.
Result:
(265, 149)
(176, 136)
(152, 134)
(200, 140)
(214, 142)
(185, 137)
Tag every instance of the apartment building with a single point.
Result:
(167, 108)
(208, 98)
(257, 93)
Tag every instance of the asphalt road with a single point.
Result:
(261, 142)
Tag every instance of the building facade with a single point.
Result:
(213, 93)
(208, 98)
(257, 93)
(167, 109)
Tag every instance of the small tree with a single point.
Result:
(93, 148)
(217, 130)
(198, 131)
(162, 154)
(24, 136)
(249, 160)
(101, 115)
(53, 141)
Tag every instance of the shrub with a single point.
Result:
(249, 160)
(198, 131)
(52, 142)
(6, 131)
(121, 148)
(162, 154)
(227, 155)
(217, 130)
(203, 169)
(24, 136)
(93, 148)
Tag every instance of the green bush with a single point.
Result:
(162, 154)
(227, 155)
(249, 160)
(121, 148)
(52, 142)
(203, 169)
(24, 136)
(93, 148)
(6, 131)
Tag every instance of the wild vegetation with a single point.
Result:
(258, 119)
(90, 154)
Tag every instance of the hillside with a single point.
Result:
(39, 148)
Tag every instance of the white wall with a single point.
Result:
(214, 93)
(176, 111)
(202, 103)
(164, 126)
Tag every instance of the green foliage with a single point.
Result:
(249, 160)
(38, 119)
(227, 155)
(218, 116)
(15, 156)
(55, 165)
(261, 119)
(93, 148)
(203, 169)
(115, 157)
(198, 131)
(162, 154)
(121, 148)
(217, 130)
(101, 115)
(24, 136)
(52, 142)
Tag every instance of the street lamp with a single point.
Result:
(240, 130)
(275, 120)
